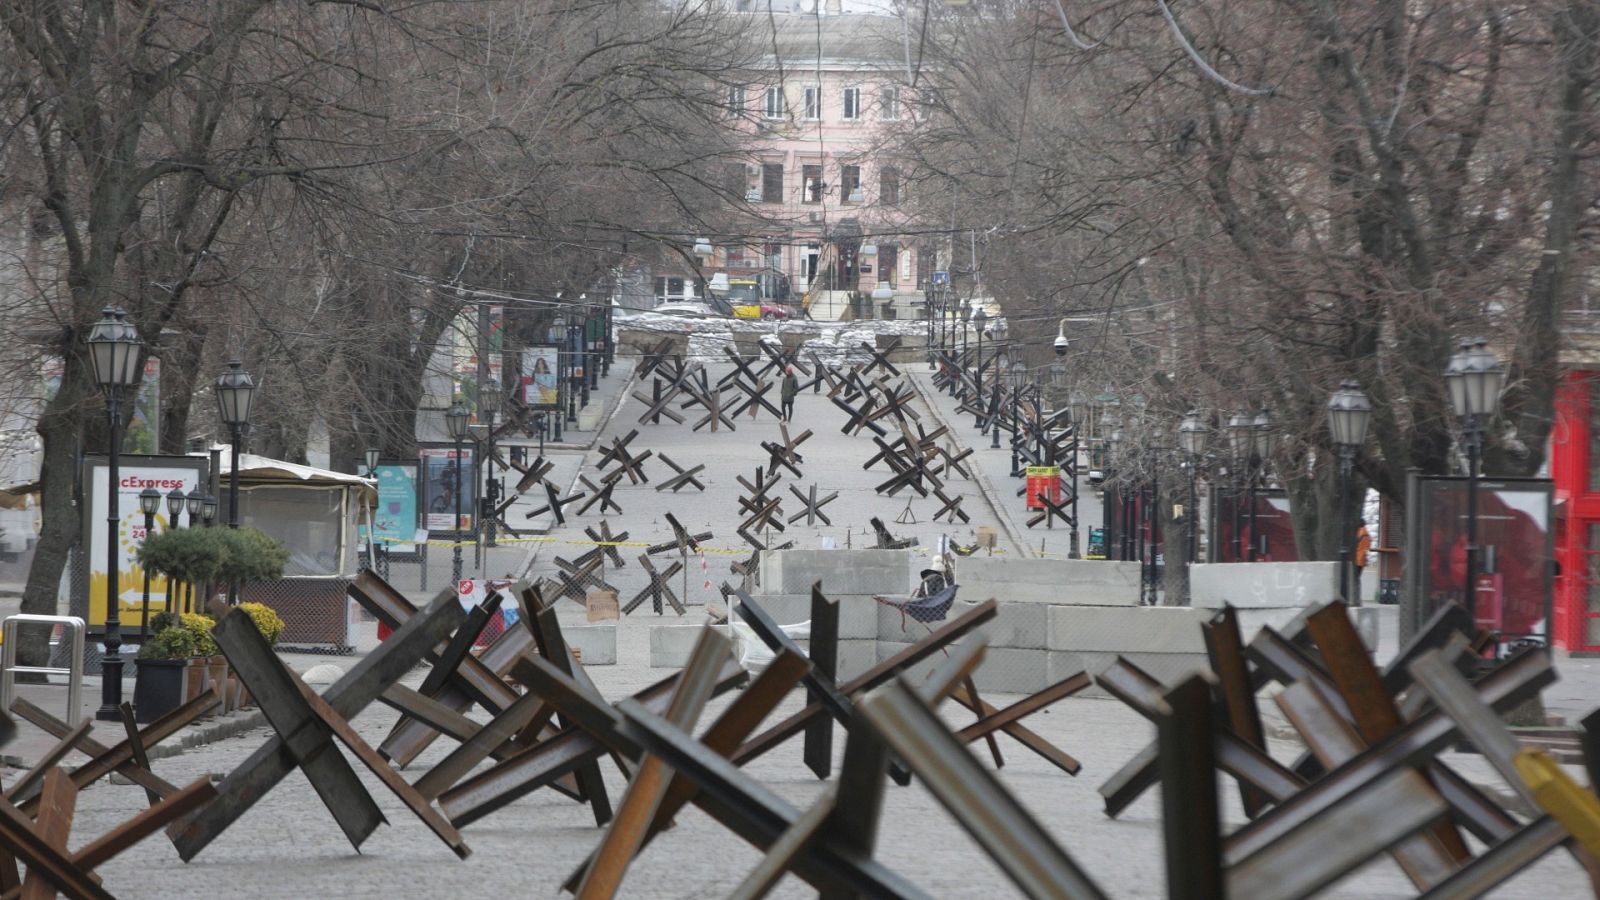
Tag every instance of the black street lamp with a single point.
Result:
(1264, 439)
(489, 399)
(376, 547)
(195, 501)
(235, 391)
(114, 353)
(1349, 412)
(149, 504)
(1192, 433)
(1241, 441)
(1474, 378)
(1018, 377)
(176, 501)
(455, 419)
(979, 316)
(208, 510)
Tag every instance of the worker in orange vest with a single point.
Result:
(1359, 560)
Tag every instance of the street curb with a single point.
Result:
(984, 484)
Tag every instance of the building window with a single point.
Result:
(888, 262)
(850, 184)
(852, 104)
(736, 100)
(772, 103)
(889, 186)
(927, 101)
(811, 184)
(772, 182)
(671, 289)
(813, 103)
(889, 103)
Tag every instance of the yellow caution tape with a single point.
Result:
(1577, 809)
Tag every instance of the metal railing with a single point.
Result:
(74, 672)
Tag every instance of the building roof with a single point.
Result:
(874, 40)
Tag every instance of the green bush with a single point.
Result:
(251, 555)
(171, 643)
(214, 555)
(199, 625)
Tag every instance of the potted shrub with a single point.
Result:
(208, 557)
(161, 665)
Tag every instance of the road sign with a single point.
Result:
(941, 278)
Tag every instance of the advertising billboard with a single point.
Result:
(1514, 572)
(540, 387)
(135, 473)
(394, 519)
(443, 477)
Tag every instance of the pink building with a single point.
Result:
(819, 124)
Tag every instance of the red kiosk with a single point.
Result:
(1575, 469)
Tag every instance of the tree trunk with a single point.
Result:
(59, 428)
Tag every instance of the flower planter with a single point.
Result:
(217, 680)
(158, 689)
(195, 671)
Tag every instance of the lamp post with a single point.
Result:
(1018, 376)
(1263, 439)
(114, 353)
(1114, 441)
(149, 504)
(1349, 412)
(489, 398)
(455, 419)
(1241, 441)
(1474, 378)
(235, 391)
(978, 319)
(928, 305)
(376, 549)
(208, 510)
(176, 501)
(1192, 433)
(558, 326)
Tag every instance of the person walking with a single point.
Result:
(791, 386)
(1359, 561)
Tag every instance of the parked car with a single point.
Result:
(707, 308)
(766, 309)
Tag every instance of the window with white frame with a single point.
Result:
(889, 103)
(852, 103)
(772, 103)
(813, 103)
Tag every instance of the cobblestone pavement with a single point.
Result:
(289, 847)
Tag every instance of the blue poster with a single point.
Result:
(395, 517)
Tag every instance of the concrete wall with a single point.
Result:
(1089, 582)
(1263, 585)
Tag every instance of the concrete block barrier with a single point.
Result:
(597, 644)
(1263, 585)
(863, 572)
(1087, 582)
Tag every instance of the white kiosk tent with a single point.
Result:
(314, 513)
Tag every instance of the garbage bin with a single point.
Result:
(888, 309)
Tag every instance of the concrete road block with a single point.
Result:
(670, 645)
(1087, 582)
(1169, 668)
(1009, 670)
(597, 643)
(1262, 585)
(891, 572)
(1142, 629)
(855, 657)
(1021, 626)
(858, 613)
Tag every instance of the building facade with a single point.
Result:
(822, 118)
